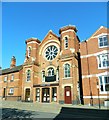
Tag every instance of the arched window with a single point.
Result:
(50, 71)
(66, 42)
(67, 70)
(28, 75)
(29, 51)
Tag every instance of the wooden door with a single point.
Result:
(67, 95)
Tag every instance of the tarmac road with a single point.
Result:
(20, 110)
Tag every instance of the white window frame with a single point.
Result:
(51, 69)
(100, 61)
(43, 76)
(66, 71)
(5, 78)
(102, 82)
(29, 51)
(102, 37)
(28, 79)
(11, 90)
(66, 42)
(12, 77)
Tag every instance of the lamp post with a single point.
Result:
(98, 95)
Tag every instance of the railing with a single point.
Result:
(50, 78)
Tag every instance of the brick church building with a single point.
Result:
(60, 69)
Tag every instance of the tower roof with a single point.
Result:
(67, 27)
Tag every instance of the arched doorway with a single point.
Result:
(67, 95)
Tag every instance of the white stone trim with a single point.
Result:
(72, 50)
(64, 85)
(102, 34)
(66, 63)
(70, 30)
(104, 92)
(49, 67)
(32, 42)
(96, 96)
(95, 75)
(67, 78)
(95, 54)
(63, 59)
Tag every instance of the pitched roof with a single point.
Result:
(11, 70)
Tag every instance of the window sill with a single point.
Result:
(104, 46)
(104, 92)
(28, 81)
(67, 78)
(10, 93)
(66, 48)
(103, 67)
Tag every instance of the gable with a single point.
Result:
(101, 30)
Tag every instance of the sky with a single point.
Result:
(23, 20)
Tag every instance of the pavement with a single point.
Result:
(54, 111)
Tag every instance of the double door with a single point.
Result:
(45, 95)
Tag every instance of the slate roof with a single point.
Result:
(11, 70)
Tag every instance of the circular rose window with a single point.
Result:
(51, 52)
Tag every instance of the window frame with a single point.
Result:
(50, 71)
(66, 42)
(102, 37)
(11, 91)
(103, 84)
(29, 51)
(5, 78)
(43, 76)
(12, 77)
(28, 76)
(101, 62)
(67, 70)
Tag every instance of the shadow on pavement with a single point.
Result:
(82, 113)
(11, 113)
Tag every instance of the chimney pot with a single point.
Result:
(13, 62)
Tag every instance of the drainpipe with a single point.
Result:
(91, 99)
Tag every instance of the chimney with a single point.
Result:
(13, 62)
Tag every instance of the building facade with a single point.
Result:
(60, 69)
(95, 66)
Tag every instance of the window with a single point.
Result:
(12, 77)
(104, 83)
(43, 76)
(51, 52)
(38, 94)
(11, 91)
(50, 72)
(66, 42)
(29, 51)
(28, 75)
(103, 60)
(67, 70)
(5, 78)
(103, 41)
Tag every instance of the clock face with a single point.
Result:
(51, 52)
